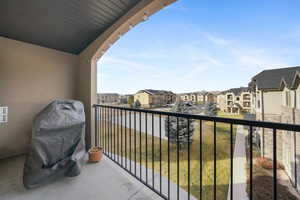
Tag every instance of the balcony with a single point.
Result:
(246, 104)
(229, 103)
(101, 181)
(246, 97)
(142, 160)
(134, 138)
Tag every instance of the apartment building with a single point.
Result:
(276, 98)
(124, 99)
(153, 98)
(202, 96)
(108, 98)
(188, 97)
(221, 101)
(235, 100)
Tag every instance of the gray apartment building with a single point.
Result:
(276, 98)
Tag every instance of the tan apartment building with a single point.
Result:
(276, 97)
(186, 97)
(221, 101)
(154, 98)
(202, 96)
(124, 99)
(108, 98)
(235, 100)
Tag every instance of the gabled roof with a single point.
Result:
(274, 79)
(156, 92)
(296, 80)
(201, 92)
(237, 91)
(108, 94)
(215, 92)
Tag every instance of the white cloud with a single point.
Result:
(245, 56)
(216, 40)
(125, 64)
(256, 58)
(202, 64)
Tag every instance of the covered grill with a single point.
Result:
(57, 146)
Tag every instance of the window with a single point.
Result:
(258, 104)
(3, 115)
(238, 98)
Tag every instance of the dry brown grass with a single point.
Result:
(223, 153)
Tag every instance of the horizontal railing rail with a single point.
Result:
(143, 142)
(261, 124)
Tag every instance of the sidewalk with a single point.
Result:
(239, 164)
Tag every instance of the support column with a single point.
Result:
(86, 93)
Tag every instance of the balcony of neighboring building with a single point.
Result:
(246, 97)
(229, 97)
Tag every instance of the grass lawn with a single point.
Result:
(226, 115)
(223, 158)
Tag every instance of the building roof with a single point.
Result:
(68, 26)
(108, 94)
(203, 92)
(273, 78)
(237, 91)
(156, 92)
(215, 92)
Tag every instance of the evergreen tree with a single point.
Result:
(211, 109)
(131, 101)
(184, 129)
(137, 104)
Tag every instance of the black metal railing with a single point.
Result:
(133, 138)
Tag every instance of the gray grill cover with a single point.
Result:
(57, 145)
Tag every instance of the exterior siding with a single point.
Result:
(272, 102)
(221, 102)
(288, 143)
(144, 98)
(148, 100)
(31, 77)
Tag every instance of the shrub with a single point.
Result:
(267, 163)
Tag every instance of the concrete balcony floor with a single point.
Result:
(99, 181)
(104, 180)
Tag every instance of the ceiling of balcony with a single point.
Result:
(65, 25)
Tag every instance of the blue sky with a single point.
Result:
(197, 45)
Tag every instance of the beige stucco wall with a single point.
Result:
(30, 77)
(221, 102)
(297, 93)
(291, 93)
(144, 98)
(272, 102)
